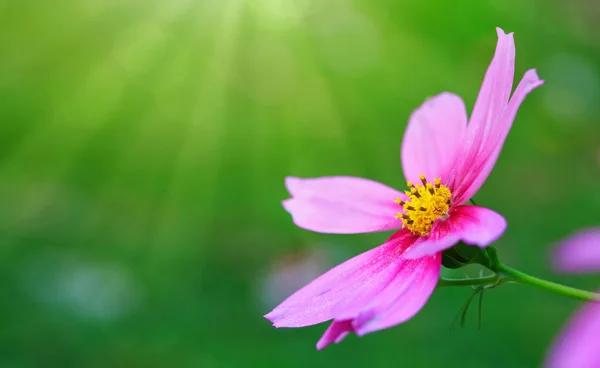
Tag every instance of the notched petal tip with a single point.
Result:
(278, 319)
(291, 183)
(286, 203)
(532, 79)
(501, 33)
(269, 316)
(272, 317)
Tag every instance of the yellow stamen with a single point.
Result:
(425, 204)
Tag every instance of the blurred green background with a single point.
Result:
(143, 147)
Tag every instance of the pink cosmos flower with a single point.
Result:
(577, 345)
(445, 162)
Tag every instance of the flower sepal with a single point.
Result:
(462, 255)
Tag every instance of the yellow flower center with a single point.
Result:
(425, 204)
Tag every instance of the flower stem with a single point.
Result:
(486, 280)
(553, 287)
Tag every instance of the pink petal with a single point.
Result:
(403, 299)
(395, 303)
(495, 89)
(335, 333)
(580, 252)
(375, 290)
(366, 273)
(433, 137)
(492, 144)
(342, 205)
(491, 101)
(472, 225)
(577, 345)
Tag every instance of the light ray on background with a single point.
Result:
(83, 109)
(201, 148)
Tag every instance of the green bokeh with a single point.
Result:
(143, 147)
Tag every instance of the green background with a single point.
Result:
(144, 144)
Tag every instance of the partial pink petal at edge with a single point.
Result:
(342, 205)
(577, 344)
(472, 225)
(580, 252)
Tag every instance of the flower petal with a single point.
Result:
(366, 274)
(577, 345)
(483, 164)
(433, 137)
(495, 89)
(335, 333)
(491, 101)
(580, 252)
(371, 301)
(375, 290)
(473, 225)
(400, 301)
(342, 205)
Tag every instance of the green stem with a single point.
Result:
(486, 280)
(553, 287)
